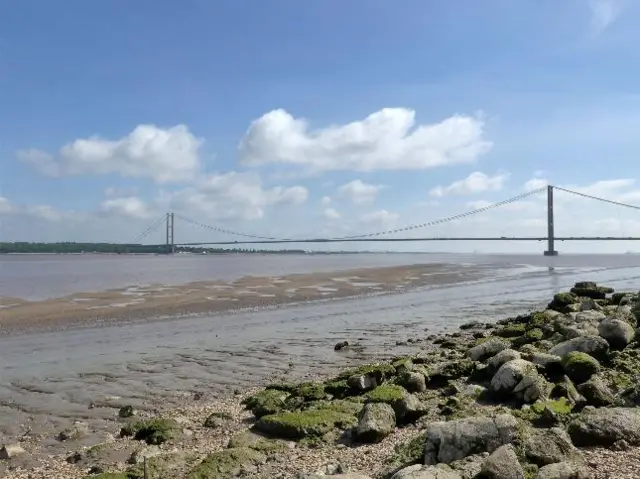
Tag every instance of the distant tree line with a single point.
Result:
(113, 248)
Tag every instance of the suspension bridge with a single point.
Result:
(170, 245)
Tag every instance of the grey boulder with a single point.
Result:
(616, 332)
(549, 446)
(375, 422)
(603, 427)
(564, 470)
(489, 348)
(502, 464)
(449, 441)
(592, 345)
(510, 374)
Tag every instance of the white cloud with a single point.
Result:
(604, 13)
(130, 206)
(5, 206)
(358, 192)
(166, 155)
(326, 200)
(381, 217)
(231, 195)
(476, 182)
(535, 183)
(331, 214)
(385, 140)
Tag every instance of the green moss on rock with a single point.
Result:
(300, 424)
(256, 442)
(152, 431)
(387, 393)
(560, 406)
(580, 366)
(338, 388)
(217, 419)
(226, 463)
(268, 401)
(511, 330)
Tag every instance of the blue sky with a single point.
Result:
(315, 118)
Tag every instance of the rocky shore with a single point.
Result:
(551, 394)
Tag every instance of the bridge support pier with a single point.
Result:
(551, 251)
(170, 241)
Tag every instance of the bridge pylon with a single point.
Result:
(550, 251)
(170, 230)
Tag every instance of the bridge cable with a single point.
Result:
(450, 218)
(226, 231)
(584, 195)
(150, 229)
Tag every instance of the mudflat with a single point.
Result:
(209, 297)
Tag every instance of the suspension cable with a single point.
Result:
(150, 229)
(230, 232)
(584, 195)
(449, 218)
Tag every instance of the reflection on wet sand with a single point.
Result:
(156, 300)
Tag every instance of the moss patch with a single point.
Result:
(387, 393)
(255, 442)
(152, 431)
(300, 424)
(309, 391)
(338, 388)
(226, 463)
(580, 366)
(560, 406)
(511, 330)
(268, 401)
(216, 419)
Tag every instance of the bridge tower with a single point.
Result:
(170, 241)
(551, 251)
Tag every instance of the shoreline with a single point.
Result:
(159, 301)
(451, 381)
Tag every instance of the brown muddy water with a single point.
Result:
(51, 378)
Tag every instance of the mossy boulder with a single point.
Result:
(375, 422)
(387, 393)
(403, 365)
(511, 330)
(226, 463)
(309, 391)
(580, 366)
(152, 431)
(268, 401)
(339, 388)
(406, 454)
(256, 442)
(451, 371)
(562, 301)
(412, 381)
(302, 424)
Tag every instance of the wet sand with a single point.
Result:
(211, 297)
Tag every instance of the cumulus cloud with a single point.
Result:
(331, 214)
(130, 206)
(43, 212)
(326, 200)
(359, 192)
(166, 155)
(476, 182)
(231, 195)
(535, 183)
(388, 139)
